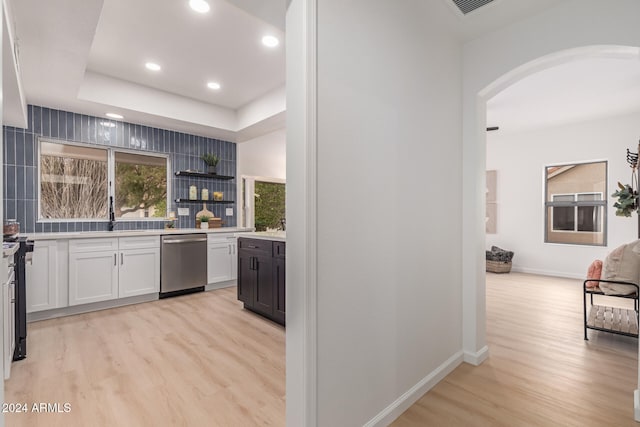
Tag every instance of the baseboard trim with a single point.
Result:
(220, 285)
(478, 357)
(86, 308)
(410, 397)
(563, 274)
(636, 405)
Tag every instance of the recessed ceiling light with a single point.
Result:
(200, 6)
(213, 85)
(270, 41)
(114, 116)
(152, 66)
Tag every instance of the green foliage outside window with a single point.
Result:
(141, 187)
(269, 205)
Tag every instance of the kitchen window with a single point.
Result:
(76, 182)
(263, 203)
(73, 181)
(575, 203)
(140, 186)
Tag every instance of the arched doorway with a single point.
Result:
(474, 178)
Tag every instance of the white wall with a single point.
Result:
(387, 255)
(520, 159)
(263, 156)
(493, 62)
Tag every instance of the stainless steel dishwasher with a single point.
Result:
(183, 264)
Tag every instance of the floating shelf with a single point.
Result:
(204, 175)
(204, 201)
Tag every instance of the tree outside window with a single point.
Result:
(74, 183)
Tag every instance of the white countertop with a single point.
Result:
(10, 250)
(278, 236)
(131, 233)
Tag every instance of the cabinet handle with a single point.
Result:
(229, 249)
(121, 258)
(253, 263)
(253, 247)
(115, 259)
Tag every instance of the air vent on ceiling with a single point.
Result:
(467, 6)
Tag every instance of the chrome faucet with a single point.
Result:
(284, 224)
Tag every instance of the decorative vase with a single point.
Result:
(212, 169)
(204, 225)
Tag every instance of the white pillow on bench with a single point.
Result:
(622, 264)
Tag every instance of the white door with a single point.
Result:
(218, 261)
(42, 277)
(93, 276)
(139, 272)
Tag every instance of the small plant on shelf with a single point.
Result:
(203, 221)
(212, 162)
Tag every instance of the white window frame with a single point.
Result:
(575, 212)
(111, 170)
(247, 211)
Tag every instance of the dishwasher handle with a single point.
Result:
(165, 242)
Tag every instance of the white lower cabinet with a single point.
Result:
(93, 277)
(9, 316)
(106, 269)
(43, 277)
(139, 272)
(221, 259)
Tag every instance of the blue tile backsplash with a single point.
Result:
(184, 151)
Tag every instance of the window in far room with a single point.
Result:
(576, 204)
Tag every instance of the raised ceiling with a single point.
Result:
(223, 45)
(576, 91)
(89, 56)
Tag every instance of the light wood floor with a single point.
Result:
(200, 360)
(540, 371)
(195, 360)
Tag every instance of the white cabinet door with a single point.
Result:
(218, 261)
(93, 276)
(42, 277)
(234, 257)
(6, 342)
(139, 272)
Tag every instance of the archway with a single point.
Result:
(474, 285)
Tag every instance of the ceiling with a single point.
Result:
(192, 48)
(580, 90)
(88, 56)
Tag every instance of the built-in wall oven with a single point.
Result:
(183, 264)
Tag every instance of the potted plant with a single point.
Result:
(627, 202)
(203, 221)
(212, 162)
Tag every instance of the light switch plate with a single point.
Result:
(229, 211)
(183, 211)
